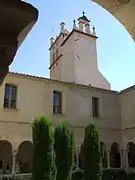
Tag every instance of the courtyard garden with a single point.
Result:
(54, 154)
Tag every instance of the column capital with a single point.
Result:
(14, 152)
(109, 150)
(125, 156)
(108, 157)
(78, 147)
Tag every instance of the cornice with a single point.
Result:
(52, 81)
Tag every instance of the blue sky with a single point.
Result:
(115, 47)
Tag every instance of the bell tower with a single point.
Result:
(77, 59)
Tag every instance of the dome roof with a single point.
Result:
(84, 18)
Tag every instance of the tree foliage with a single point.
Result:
(64, 149)
(43, 150)
(92, 154)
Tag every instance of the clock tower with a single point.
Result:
(73, 55)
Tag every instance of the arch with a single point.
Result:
(6, 158)
(115, 158)
(24, 157)
(104, 155)
(131, 154)
(120, 9)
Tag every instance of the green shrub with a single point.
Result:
(43, 150)
(92, 154)
(64, 150)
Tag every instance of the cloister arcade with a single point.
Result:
(19, 161)
(15, 161)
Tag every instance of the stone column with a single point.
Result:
(122, 158)
(77, 155)
(108, 157)
(77, 158)
(14, 153)
(81, 26)
(87, 28)
(126, 158)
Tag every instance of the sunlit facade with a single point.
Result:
(77, 92)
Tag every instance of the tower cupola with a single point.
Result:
(84, 22)
(83, 18)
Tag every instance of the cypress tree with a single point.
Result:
(43, 150)
(64, 150)
(92, 154)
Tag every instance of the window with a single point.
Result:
(57, 102)
(95, 107)
(10, 96)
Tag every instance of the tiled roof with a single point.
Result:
(38, 78)
(128, 89)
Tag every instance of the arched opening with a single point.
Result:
(116, 8)
(24, 157)
(103, 155)
(115, 159)
(6, 158)
(131, 154)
